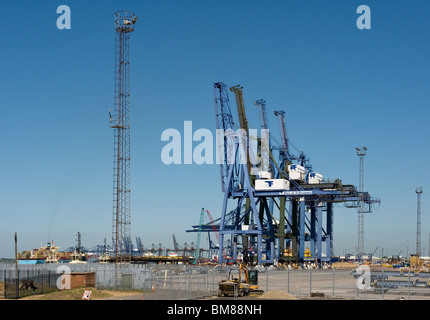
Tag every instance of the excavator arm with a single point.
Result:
(243, 268)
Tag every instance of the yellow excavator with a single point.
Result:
(236, 286)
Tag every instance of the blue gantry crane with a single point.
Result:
(271, 212)
(245, 222)
(300, 196)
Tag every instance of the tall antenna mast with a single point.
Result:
(120, 122)
(361, 152)
(419, 191)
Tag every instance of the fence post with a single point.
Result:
(333, 274)
(188, 292)
(157, 289)
(198, 286)
(144, 288)
(310, 281)
(179, 287)
(206, 290)
(17, 285)
(288, 276)
(171, 286)
(383, 284)
(409, 285)
(357, 291)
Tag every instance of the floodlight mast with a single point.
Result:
(419, 191)
(361, 152)
(119, 120)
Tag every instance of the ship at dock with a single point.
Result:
(50, 253)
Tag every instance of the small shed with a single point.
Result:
(78, 279)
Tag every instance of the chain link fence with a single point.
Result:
(347, 284)
(24, 285)
(301, 284)
(192, 284)
(177, 282)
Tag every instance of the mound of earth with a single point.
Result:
(277, 295)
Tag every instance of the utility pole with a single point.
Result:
(361, 152)
(16, 266)
(419, 191)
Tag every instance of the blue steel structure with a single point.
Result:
(250, 224)
(245, 221)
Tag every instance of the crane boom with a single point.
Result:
(262, 105)
(282, 127)
(265, 136)
(224, 122)
(240, 107)
(242, 118)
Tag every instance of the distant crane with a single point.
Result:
(213, 246)
(175, 244)
(140, 247)
(199, 234)
(212, 223)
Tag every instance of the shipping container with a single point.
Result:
(296, 172)
(314, 178)
(272, 184)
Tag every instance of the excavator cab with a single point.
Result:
(253, 277)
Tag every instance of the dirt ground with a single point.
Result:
(77, 294)
(277, 295)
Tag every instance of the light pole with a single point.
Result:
(419, 191)
(361, 152)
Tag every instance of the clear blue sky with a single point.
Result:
(340, 87)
